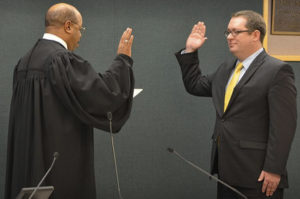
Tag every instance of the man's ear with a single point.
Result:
(67, 26)
(256, 34)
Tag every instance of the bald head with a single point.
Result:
(64, 21)
(59, 13)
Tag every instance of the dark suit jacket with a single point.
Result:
(258, 127)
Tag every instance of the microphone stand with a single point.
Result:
(109, 116)
(206, 173)
(55, 155)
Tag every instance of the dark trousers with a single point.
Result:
(255, 193)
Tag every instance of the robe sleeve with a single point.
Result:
(89, 95)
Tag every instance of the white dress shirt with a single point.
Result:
(53, 37)
(246, 63)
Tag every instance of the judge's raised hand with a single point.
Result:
(126, 42)
(197, 38)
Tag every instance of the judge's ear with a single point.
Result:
(67, 26)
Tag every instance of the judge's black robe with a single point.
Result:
(57, 100)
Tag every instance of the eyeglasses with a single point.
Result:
(234, 33)
(82, 29)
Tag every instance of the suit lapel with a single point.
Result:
(257, 62)
(225, 74)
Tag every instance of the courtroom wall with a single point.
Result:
(163, 115)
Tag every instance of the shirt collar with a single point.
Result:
(247, 62)
(53, 37)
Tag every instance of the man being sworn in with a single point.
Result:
(58, 99)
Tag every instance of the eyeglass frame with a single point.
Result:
(235, 33)
(82, 29)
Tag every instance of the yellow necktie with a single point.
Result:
(232, 84)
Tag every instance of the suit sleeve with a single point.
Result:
(195, 83)
(89, 95)
(283, 117)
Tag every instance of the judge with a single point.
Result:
(58, 99)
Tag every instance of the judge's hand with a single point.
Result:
(197, 37)
(271, 181)
(126, 42)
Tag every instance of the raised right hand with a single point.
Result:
(197, 37)
(126, 43)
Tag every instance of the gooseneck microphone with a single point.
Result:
(171, 150)
(109, 117)
(55, 156)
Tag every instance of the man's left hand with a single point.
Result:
(270, 182)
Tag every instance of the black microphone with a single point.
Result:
(109, 117)
(171, 150)
(55, 156)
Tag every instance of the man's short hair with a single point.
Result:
(254, 22)
(60, 16)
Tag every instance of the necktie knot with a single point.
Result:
(239, 67)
